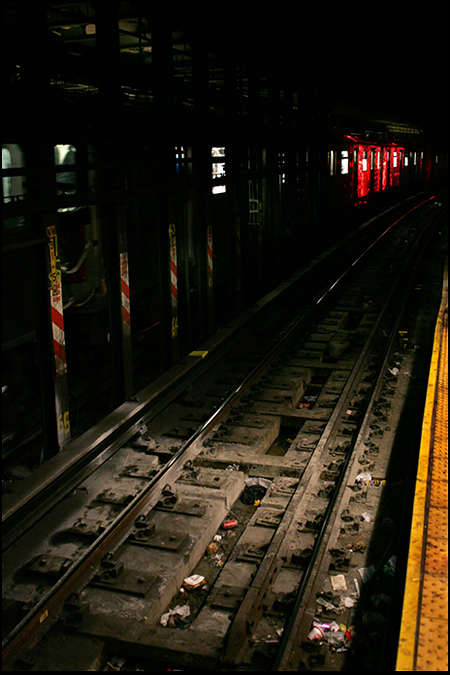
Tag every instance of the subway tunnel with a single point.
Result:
(168, 167)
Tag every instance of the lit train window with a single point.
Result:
(394, 159)
(364, 160)
(406, 162)
(344, 161)
(218, 169)
(179, 157)
(6, 180)
(66, 181)
(375, 160)
(13, 185)
(331, 160)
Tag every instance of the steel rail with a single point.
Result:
(96, 445)
(251, 608)
(46, 611)
(288, 653)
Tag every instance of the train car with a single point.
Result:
(360, 170)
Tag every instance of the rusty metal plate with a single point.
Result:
(146, 467)
(153, 538)
(142, 531)
(206, 478)
(88, 527)
(165, 539)
(49, 565)
(188, 507)
(131, 582)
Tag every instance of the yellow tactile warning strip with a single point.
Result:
(423, 643)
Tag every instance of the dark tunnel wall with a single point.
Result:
(157, 180)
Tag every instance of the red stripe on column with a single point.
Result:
(59, 350)
(57, 318)
(126, 315)
(125, 288)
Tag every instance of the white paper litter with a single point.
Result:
(194, 581)
(338, 583)
(328, 605)
(263, 482)
(180, 610)
(363, 478)
(366, 573)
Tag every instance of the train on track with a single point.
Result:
(360, 168)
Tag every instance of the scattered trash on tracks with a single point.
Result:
(170, 617)
(194, 581)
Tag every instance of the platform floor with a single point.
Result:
(423, 642)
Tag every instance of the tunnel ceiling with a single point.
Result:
(389, 59)
(72, 37)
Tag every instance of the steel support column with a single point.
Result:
(201, 155)
(252, 222)
(272, 196)
(234, 216)
(164, 168)
(210, 275)
(58, 333)
(113, 214)
(41, 185)
(173, 253)
(233, 144)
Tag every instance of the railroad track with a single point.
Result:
(282, 415)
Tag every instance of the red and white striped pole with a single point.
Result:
(210, 256)
(173, 290)
(125, 291)
(126, 322)
(59, 340)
